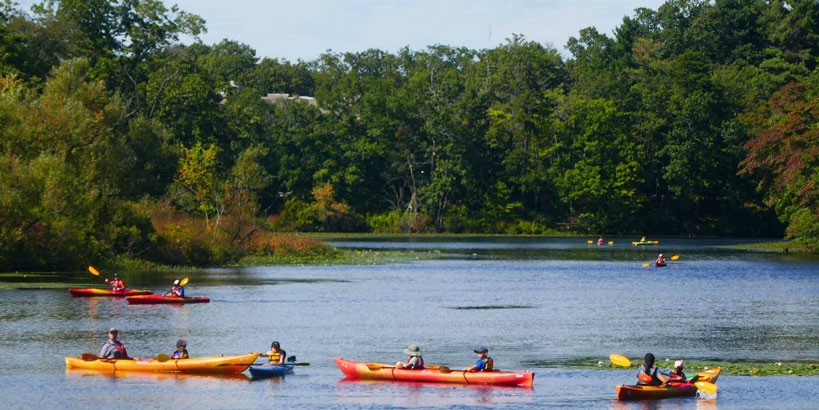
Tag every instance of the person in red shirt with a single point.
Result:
(117, 285)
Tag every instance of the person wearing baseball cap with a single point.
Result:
(484, 363)
(113, 348)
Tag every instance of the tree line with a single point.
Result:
(698, 118)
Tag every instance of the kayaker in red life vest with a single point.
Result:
(660, 260)
(112, 348)
(116, 284)
(649, 375)
(176, 290)
(181, 351)
(600, 241)
(276, 355)
(677, 374)
(415, 361)
(484, 363)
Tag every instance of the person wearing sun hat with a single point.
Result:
(676, 373)
(484, 363)
(415, 361)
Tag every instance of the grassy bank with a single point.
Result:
(771, 247)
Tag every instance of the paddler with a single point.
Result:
(484, 363)
(600, 241)
(113, 348)
(276, 355)
(177, 290)
(649, 375)
(415, 361)
(677, 374)
(117, 285)
(660, 260)
(181, 351)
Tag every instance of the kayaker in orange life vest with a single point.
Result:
(276, 355)
(181, 351)
(415, 361)
(484, 363)
(649, 375)
(600, 241)
(117, 285)
(660, 260)
(112, 348)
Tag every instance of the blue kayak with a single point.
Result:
(270, 370)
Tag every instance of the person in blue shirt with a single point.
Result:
(176, 290)
(484, 363)
(649, 375)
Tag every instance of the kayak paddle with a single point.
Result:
(620, 360)
(673, 258)
(706, 387)
(93, 270)
(184, 281)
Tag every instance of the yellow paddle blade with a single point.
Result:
(611, 242)
(620, 360)
(675, 257)
(589, 242)
(378, 366)
(184, 281)
(647, 264)
(706, 387)
(93, 270)
(162, 357)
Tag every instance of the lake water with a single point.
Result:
(538, 304)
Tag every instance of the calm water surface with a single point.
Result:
(538, 304)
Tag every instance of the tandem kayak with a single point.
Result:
(209, 364)
(89, 292)
(375, 371)
(643, 243)
(674, 389)
(159, 299)
(270, 370)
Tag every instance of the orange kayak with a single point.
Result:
(89, 292)
(639, 392)
(376, 371)
(209, 364)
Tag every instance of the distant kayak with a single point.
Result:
(209, 364)
(674, 389)
(375, 371)
(160, 299)
(270, 370)
(94, 292)
(643, 243)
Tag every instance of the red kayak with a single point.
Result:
(160, 299)
(433, 374)
(89, 292)
(659, 265)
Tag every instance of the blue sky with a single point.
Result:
(304, 29)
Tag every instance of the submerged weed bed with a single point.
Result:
(739, 368)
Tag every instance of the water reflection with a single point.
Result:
(150, 376)
(383, 393)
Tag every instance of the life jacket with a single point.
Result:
(661, 261)
(180, 355)
(677, 377)
(275, 357)
(418, 366)
(600, 242)
(652, 372)
(117, 285)
(489, 364)
(121, 348)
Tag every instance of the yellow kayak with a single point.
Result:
(209, 364)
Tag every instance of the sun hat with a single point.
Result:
(413, 350)
(181, 342)
(113, 330)
(678, 363)
(176, 282)
(481, 349)
(661, 255)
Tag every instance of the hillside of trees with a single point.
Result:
(699, 118)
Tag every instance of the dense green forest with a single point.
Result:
(118, 141)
